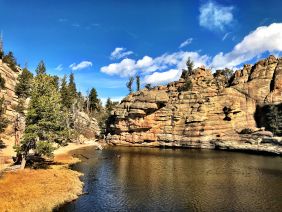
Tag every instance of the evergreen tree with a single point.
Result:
(23, 87)
(129, 84)
(3, 120)
(10, 60)
(189, 69)
(45, 120)
(41, 68)
(94, 102)
(110, 105)
(66, 100)
(138, 82)
(56, 80)
(72, 88)
(148, 86)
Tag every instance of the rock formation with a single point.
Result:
(209, 115)
(10, 98)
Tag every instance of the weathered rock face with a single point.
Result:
(86, 126)
(11, 99)
(210, 115)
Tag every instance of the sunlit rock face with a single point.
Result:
(209, 115)
(8, 93)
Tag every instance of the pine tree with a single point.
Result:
(66, 100)
(41, 68)
(10, 60)
(188, 72)
(129, 84)
(138, 82)
(3, 120)
(45, 120)
(72, 88)
(110, 105)
(23, 87)
(148, 86)
(94, 102)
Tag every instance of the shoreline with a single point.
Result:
(28, 188)
(251, 149)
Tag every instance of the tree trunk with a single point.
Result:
(23, 162)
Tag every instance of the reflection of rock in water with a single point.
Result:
(151, 179)
(209, 115)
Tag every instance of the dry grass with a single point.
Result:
(42, 189)
(38, 190)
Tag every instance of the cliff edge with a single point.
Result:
(213, 113)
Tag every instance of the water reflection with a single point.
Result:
(143, 179)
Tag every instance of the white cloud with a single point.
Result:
(120, 53)
(125, 68)
(162, 77)
(214, 16)
(167, 67)
(265, 38)
(148, 65)
(59, 67)
(81, 65)
(185, 43)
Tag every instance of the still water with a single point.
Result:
(151, 179)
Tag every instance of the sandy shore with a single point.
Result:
(42, 189)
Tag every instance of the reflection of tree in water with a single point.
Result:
(270, 117)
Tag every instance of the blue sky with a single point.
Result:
(104, 42)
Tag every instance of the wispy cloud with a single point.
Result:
(226, 35)
(214, 16)
(59, 67)
(62, 20)
(75, 25)
(185, 43)
(81, 65)
(120, 53)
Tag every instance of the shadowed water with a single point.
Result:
(146, 179)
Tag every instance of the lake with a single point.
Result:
(152, 179)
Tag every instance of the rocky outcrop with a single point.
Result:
(209, 115)
(8, 93)
(86, 126)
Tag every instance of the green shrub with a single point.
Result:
(186, 86)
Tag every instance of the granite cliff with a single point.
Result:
(213, 114)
